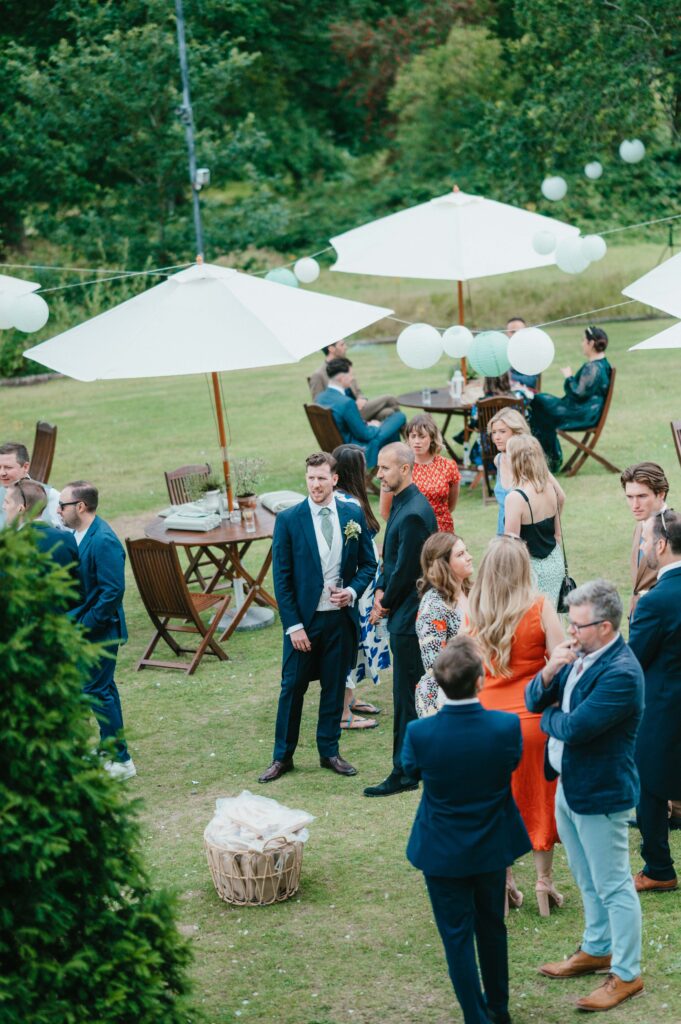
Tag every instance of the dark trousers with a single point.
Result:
(333, 639)
(103, 693)
(651, 816)
(407, 670)
(469, 912)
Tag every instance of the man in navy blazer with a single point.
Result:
(27, 498)
(591, 696)
(323, 561)
(369, 436)
(655, 639)
(467, 828)
(102, 574)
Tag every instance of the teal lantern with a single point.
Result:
(280, 275)
(488, 354)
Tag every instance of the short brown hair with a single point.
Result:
(28, 493)
(425, 424)
(321, 459)
(459, 667)
(85, 492)
(649, 474)
(667, 526)
(17, 449)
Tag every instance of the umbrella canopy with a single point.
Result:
(454, 237)
(671, 338)
(660, 288)
(202, 320)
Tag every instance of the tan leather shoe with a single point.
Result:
(611, 993)
(644, 883)
(579, 963)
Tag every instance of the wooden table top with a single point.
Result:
(441, 400)
(226, 533)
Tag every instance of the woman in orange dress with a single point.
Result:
(436, 477)
(516, 629)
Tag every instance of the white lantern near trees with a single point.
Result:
(531, 350)
(554, 188)
(456, 341)
(29, 313)
(419, 346)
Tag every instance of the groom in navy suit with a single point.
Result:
(323, 561)
(467, 828)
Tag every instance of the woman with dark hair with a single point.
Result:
(582, 402)
(446, 568)
(374, 650)
(436, 477)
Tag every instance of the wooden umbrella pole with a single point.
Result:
(222, 434)
(462, 320)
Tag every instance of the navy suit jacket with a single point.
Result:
(297, 569)
(410, 523)
(467, 822)
(61, 546)
(347, 416)
(655, 639)
(599, 775)
(102, 574)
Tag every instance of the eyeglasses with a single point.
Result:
(21, 491)
(573, 625)
(65, 504)
(664, 525)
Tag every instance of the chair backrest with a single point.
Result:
(487, 408)
(159, 577)
(676, 434)
(43, 452)
(324, 427)
(178, 481)
(606, 404)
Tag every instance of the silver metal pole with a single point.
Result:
(187, 117)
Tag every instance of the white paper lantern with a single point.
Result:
(632, 151)
(282, 275)
(419, 346)
(306, 270)
(569, 255)
(29, 313)
(530, 350)
(593, 170)
(456, 341)
(554, 188)
(6, 303)
(594, 247)
(544, 242)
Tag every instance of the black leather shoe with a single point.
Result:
(337, 765)
(276, 770)
(393, 784)
(498, 1018)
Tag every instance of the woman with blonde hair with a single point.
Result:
(506, 424)
(447, 568)
(532, 513)
(516, 630)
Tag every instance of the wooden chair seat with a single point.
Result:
(676, 434)
(328, 436)
(585, 447)
(42, 454)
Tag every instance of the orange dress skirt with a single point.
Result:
(533, 794)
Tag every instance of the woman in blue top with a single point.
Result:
(505, 425)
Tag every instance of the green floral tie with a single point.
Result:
(327, 526)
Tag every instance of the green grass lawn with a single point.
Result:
(357, 943)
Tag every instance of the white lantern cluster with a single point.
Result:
(420, 346)
(632, 151)
(27, 312)
(573, 254)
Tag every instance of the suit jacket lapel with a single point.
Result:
(85, 543)
(309, 534)
(591, 674)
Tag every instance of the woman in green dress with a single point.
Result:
(582, 403)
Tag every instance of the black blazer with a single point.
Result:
(655, 639)
(410, 523)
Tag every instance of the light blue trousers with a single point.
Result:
(597, 848)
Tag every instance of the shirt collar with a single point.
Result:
(671, 565)
(336, 387)
(589, 659)
(315, 509)
(459, 703)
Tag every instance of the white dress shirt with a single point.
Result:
(79, 534)
(666, 568)
(465, 700)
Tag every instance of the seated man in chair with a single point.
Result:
(370, 408)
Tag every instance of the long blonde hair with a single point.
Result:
(501, 595)
(514, 420)
(436, 570)
(527, 461)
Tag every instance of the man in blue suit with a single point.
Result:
(369, 436)
(466, 834)
(591, 696)
(323, 561)
(655, 639)
(102, 574)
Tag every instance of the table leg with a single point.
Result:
(255, 589)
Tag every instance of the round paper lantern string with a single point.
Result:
(593, 170)
(531, 351)
(488, 354)
(456, 341)
(419, 346)
(554, 188)
(306, 270)
(280, 275)
(594, 247)
(544, 242)
(632, 151)
(570, 257)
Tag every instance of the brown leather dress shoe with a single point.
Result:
(276, 770)
(338, 765)
(611, 993)
(644, 883)
(579, 963)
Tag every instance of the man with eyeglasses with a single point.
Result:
(102, 574)
(645, 488)
(590, 694)
(655, 639)
(14, 465)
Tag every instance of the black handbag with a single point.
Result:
(568, 584)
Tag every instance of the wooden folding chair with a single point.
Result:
(164, 592)
(487, 409)
(676, 434)
(44, 443)
(329, 437)
(178, 481)
(585, 447)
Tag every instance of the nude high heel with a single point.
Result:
(547, 896)
(513, 896)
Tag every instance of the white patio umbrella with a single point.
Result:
(670, 338)
(660, 288)
(203, 320)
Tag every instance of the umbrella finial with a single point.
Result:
(455, 188)
(199, 260)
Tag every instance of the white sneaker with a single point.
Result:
(121, 770)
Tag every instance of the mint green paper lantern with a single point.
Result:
(281, 275)
(488, 354)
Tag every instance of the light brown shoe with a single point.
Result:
(579, 963)
(611, 993)
(644, 883)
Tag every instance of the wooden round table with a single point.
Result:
(441, 401)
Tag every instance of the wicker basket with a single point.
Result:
(248, 878)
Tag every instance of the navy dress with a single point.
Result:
(579, 408)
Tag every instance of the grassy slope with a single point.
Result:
(358, 942)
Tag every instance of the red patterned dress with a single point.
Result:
(434, 479)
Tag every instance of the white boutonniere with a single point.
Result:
(352, 530)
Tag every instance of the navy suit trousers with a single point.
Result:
(103, 693)
(653, 821)
(407, 670)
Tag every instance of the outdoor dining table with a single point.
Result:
(226, 547)
(441, 401)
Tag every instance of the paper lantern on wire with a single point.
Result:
(530, 350)
(554, 188)
(632, 151)
(594, 247)
(544, 242)
(456, 341)
(419, 346)
(29, 313)
(570, 257)
(306, 270)
(593, 170)
(488, 354)
(281, 275)
(6, 303)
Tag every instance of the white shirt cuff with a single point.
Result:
(292, 629)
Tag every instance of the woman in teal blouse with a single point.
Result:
(582, 403)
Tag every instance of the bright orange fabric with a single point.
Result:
(433, 480)
(533, 794)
